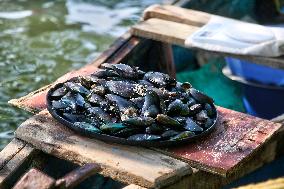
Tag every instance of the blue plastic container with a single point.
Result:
(256, 72)
(260, 100)
(263, 102)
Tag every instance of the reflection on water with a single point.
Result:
(41, 40)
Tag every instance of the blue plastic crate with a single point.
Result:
(256, 72)
(260, 100)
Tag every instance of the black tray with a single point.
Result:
(113, 139)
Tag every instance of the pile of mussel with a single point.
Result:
(124, 102)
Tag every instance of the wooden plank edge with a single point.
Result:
(236, 167)
(133, 186)
(63, 152)
(109, 171)
(163, 31)
(15, 163)
(269, 184)
(18, 102)
(206, 180)
(10, 151)
(176, 14)
(149, 29)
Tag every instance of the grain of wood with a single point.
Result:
(10, 151)
(35, 179)
(133, 186)
(236, 137)
(165, 31)
(127, 164)
(177, 14)
(270, 184)
(13, 164)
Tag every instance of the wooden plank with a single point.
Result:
(12, 166)
(270, 184)
(165, 31)
(78, 175)
(10, 151)
(127, 164)
(176, 33)
(205, 180)
(133, 186)
(35, 179)
(279, 119)
(177, 14)
(236, 138)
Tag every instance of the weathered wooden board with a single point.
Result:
(35, 179)
(133, 186)
(20, 155)
(270, 184)
(168, 24)
(163, 30)
(127, 164)
(10, 151)
(236, 138)
(177, 14)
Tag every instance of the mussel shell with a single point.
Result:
(123, 111)
(95, 98)
(123, 70)
(73, 117)
(155, 129)
(141, 137)
(178, 108)
(105, 73)
(99, 90)
(58, 93)
(202, 116)
(139, 121)
(194, 109)
(159, 79)
(211, 112)
(151, 106)
(76, 88)
(168, 121)
(112, 127)
(183, 135)
(126, 89)
(192, 126)
(139, 101)
(200, 97)
(169, 133)
(127, 132)
(100, 114)
(89, 127)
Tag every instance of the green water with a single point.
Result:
(42, 40)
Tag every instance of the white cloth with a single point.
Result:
(232, 36)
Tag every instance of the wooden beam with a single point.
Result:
(127, 164)
(35, 179)
(75, 177)
(164, 31)
(10, 151)
(133, 186)
(177, 14)
(15, 162)
(169, 25)
(236, 138)
(270, 184)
